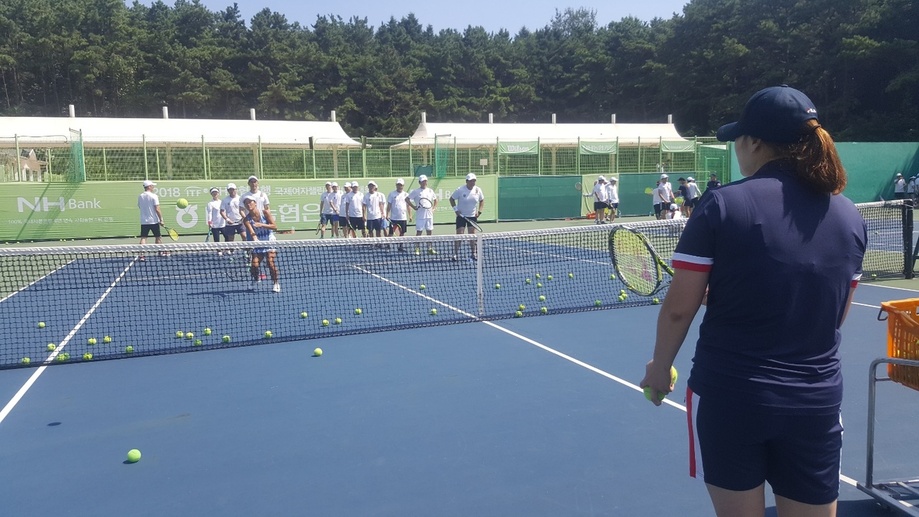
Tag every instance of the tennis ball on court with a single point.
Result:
(268, 334)
(570, 275)
(358, 311)
(612, 277)
(656, 301)
(207, 331)
(538, 284)
(317, 352)
(338, 321)
(622, 291)
(182, 203)
(190, 335)
(433, 312)
(25, 360)
(107, 339)
(133, 456)
(198, 342)
(91, 341)
(304, 314)
(542, 298)
(497, 286)
(62, 357)
(51, 347)
(549, 277)
(129, 349)
(598, 303)
(325, 323)
(538, 275)
(180, 334)
(528, 280)
(521, 307)
(544, 310)
(873, 275)
(422, 287)
(87, 356)
(518, 314)
(226, 339)
(41, 324)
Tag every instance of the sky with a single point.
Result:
(456, 14)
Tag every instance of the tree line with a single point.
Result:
(857, 59)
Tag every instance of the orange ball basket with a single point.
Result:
(903, 339)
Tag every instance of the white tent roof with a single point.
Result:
(214, 132)
(559, 135)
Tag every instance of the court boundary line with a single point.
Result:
(37, 280)
(8, 408)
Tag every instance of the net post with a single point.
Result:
(480, 273)
(908, 252)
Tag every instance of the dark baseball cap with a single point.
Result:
(777, 114)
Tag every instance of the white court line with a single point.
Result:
(37, 280)
(41, 369)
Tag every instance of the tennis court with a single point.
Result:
(406, 412)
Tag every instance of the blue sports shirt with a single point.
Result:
(782, 260)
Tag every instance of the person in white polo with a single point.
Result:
(355, 210)
(151, 218)
(325, 209)
(601, 197)
(374, 208)
(397, 209)
(467, 201)
(229, 211)
(612, 198)
(424, 218)
(215, 223)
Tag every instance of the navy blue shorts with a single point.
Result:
(464, 222)
(325, 219)
(741, 447)
(356, 223)
(147, 229)
(230, 230)
(400, 224)
(375, 225)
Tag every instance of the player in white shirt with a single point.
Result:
(325, 209)
(397, 210)
(612, 198)
(664, 195)
(655, 200)
(374, 208)
(694, 194)
(355, 210)
(229, 211)
(467, 201)
(344, 224)
(151, 218)
(215, 223)
(674, 212)
(424, 217)
(261, 199)
(335, 205)
(601, 196)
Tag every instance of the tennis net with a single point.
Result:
(77, 304)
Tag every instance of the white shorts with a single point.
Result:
(424, 225)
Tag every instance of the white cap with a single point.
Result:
(422, 178)
(354, 184)
(252, 178)
(673, 207)
(334, 184)
(371, 183)
(214, 189)
(400, 181)
(347, 184)
(689, 178)
(613, 178)
(145, 183)
(231, 186)
(470, 177)
(601, 178)
(148, 183)
(328, 183)
(664, 176)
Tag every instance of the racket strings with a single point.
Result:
(635, 263)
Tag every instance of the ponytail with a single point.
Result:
(816, 161)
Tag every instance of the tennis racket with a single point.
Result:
(318, 227)
(207, 236)
(470, 222)
(426, 203)
(174, 235)
(636, 262)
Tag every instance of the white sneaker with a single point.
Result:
(276, 288)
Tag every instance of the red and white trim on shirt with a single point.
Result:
(855, 280)
(692, 262)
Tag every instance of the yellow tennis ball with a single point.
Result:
(268, 334)
(62, 357)
(598, 303)
(304, 314)
(91, 341)
(51, 347)
(26, 361)
(41, 324)
(544, 310)
(133, 456)
(528, 280)
(198, 342)
(338, 321)
(182, 203)
(549, 277)
(538, 275)
(226, 339)
(521, 307)
(674, 375)
(190, 335)
(180, 334)
(542, 298)
(497, 286)
(434, 312)
(539, 284)
(518, 314)
(570, 275)
(358, 311)
(317, 352)
(207, 331)
(87, 356)
(422, 287)
(107, 339)
(129, 349)
(325, 323)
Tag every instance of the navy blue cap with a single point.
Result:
(776, 114)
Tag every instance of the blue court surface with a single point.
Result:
(536, 416)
